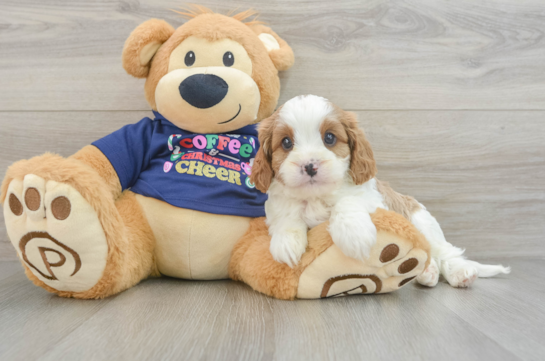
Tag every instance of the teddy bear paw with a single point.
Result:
(393, 263)
(56, 232)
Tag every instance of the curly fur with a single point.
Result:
(362, 160)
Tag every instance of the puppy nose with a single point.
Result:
(203, 90)
(311, 170)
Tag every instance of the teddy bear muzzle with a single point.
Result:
(203, 90)
(208, 99)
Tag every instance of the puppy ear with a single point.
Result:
(279, 51)
(142, 45)
(262, 171)
(362, 161)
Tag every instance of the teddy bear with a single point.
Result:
(171, 194)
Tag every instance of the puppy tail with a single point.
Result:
(488, 270)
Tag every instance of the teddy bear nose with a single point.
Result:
(203, 90)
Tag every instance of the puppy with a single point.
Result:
(316, 165)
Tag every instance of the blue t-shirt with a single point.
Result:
(204, 172)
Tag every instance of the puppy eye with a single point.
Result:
(330, 139)
(287, 144)
(189, 58)
(228, 59)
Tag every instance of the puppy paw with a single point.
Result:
(288, 247)
(354, 239)
(461, 276)
(430, 276)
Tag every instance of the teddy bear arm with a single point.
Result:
(400, 254)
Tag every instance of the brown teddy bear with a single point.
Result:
(172, 195)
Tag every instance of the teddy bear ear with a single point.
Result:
(279, 51)
(142, 45)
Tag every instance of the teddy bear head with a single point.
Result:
(213, 74)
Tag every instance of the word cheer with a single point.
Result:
(189, 166)
(208, 170)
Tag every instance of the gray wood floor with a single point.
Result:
(452, 97)
(497, 319)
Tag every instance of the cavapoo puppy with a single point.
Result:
(316, 165)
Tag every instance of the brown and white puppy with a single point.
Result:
(316, 165)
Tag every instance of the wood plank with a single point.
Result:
(9, 268)
(7, 252)
(65, 55)
(495, 319)
(403, 325)
(173, 319)
(33, 320)
(481, 173)
(508, 309)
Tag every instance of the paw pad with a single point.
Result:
(15, 205)
(61, 207)
(407, 266)
(32, 199)
(389, 253)
(406, 280)
(62, 258)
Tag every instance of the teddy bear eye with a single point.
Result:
(287, 144)
(189, 58)
(228, 59)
